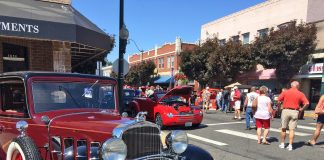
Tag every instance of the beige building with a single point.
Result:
(257, 20)
(107, 70)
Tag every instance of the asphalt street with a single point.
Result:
(227, 139)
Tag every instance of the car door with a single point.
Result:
(12, 109)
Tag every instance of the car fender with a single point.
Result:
(134, 105)
(196, 153)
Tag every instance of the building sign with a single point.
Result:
(18, 27)
(315, 68)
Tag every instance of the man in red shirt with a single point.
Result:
(291, 98)
(237, 103)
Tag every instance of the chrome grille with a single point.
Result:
(142, 141)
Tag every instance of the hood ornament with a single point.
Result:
(141, 116)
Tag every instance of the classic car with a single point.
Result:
(129, 95)
(170, 108)
(54, 116)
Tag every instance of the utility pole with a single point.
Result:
(123, 36)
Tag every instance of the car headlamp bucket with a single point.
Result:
(114, 149)
(200, 113)
(178, 140)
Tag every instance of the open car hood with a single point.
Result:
(184, 91)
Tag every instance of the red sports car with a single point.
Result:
(170, 108)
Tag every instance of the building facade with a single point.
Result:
(48, 35)
(257, 20)
(166, 59)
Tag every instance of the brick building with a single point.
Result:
(166, 59)
(47, 35)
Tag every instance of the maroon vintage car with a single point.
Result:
(170, 108)
(54, 116)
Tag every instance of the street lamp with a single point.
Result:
(123, 36)
(171, 79)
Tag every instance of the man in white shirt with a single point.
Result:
(248, 104)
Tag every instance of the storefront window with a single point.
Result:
(315, 92)
(14, 58)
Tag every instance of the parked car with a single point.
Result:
(170, 108)
(54, 116)
(129, 95)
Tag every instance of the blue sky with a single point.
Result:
(155, 22)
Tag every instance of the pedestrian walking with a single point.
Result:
(319, 110)
(291, 99)
(206, 98)
(149, 92)
(219, 99)
(225, 100)
(237, 103)
(248, 104)
(262, 114)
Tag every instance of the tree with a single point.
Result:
(231, 59)
(195, 63)
(113, 75)
(212, 62)
(140, 74)
(286, 49)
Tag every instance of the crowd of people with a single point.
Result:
(258, 106)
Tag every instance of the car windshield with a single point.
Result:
(129, 93)
(160, 95)
(174, 99)
(49, 96)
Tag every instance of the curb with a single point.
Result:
(310, 115)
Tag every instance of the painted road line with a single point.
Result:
(296, 133)
(239, 134)
(206, 140)
(306, 127)
(312, 123)
(216, 124)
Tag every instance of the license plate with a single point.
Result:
(188, 124)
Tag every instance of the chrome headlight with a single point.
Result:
(178, 141)
(114, 149)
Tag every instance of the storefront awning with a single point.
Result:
(164, 80)
(51, 21)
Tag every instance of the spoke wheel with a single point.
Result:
(16, 155)
(23, 148)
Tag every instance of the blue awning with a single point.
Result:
(164, 80)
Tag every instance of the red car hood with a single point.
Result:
(89, 122)
(184, 91)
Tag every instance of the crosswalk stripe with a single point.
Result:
(206, 140)
(296, 133)
(312, 123)
(216, 124)
(306, 127)
(239, 134)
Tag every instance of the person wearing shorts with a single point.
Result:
(263, 114)
(237, 103)
(291, 99)
(319, 110)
